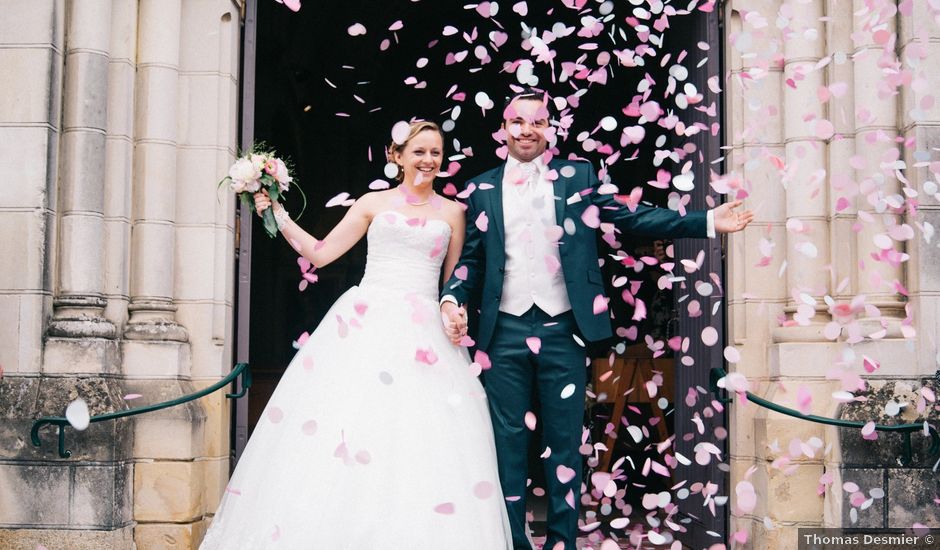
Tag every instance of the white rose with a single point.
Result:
(259, 161)
(244, 170)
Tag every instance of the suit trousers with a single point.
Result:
(518, 375)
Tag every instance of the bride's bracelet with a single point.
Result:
(280, 216)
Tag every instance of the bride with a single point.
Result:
(378, 435)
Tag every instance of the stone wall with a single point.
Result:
(827, 276)
(119, 257)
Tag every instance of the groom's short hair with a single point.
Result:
(529, 92)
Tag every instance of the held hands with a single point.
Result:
(729, 221)
(455, 321)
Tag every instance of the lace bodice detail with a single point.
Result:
(406, 253)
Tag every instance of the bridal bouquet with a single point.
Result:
(260, 169)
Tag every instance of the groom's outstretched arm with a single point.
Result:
(647, 220)
(465, 281)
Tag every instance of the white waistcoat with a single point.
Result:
(533, 274)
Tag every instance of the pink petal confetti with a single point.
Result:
(736, 382)
(275, 414)
(482, 222)
(309, 427)
(77, 414)
(747, 498)
(438, 247)
(481, 358)
(534, 343)
(445, 508)
(600, 304)
(356, 29)
(521, 8)
(552, 264)
(564, 473)
(483, 490)
(804, 400)
(591, 216)
(870, 364)
(824, 129)
(308, 363)
(639, 312)
(709, 336)
(363, 457)
(425, 356)
(338, 200)
(868, 431)
(292, 5)
(530, 420)
(132, 396)
(400, 132)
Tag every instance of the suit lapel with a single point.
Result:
(496, 202)
(560, 190)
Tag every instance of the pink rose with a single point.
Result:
(270, 167)
(281, 176)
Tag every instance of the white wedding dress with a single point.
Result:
(378, 436)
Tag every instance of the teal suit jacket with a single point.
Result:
(484, 252)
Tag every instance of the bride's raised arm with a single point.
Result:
(347, 232)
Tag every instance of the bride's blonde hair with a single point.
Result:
(415, 128)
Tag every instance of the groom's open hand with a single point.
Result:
(455, 321)
(729, 221)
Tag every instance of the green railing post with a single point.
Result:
(241, 369)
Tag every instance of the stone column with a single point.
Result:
(784, 272)
(152, 311)
(843, 185)
(919, 48)
(119, 159)
(182, 453)
(757, 290)
(208, 122)
(805, 120)
(53, 245)
(876, 152)
(32, 35)
(80, 337)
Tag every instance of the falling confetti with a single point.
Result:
(77, 414)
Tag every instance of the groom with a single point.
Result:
(531, 254)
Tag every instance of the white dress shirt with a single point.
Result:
(533, 274)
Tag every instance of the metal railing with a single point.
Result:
(905, 430)
(241, 369)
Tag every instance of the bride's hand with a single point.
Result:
(262, 201)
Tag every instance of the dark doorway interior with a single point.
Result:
(328, 101)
